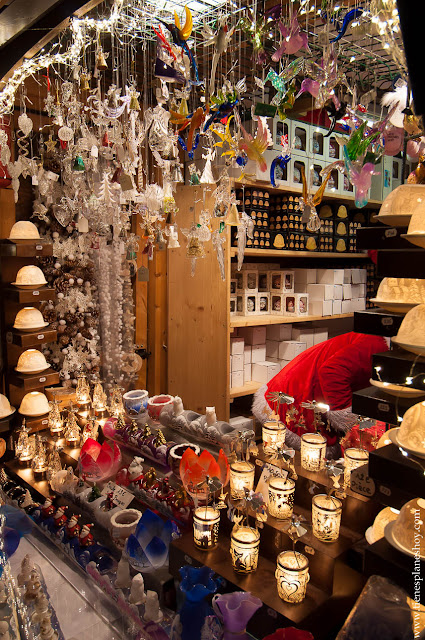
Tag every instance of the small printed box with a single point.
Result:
(330, 276)
(347, 276)
(297, 162)
(237, 379)
(346, 292)
(237, 362)
(336, 307)
(272, 349)
(347, 307)
(333, 150)
(305, 276)
(233, 308)
(355, 290)
(301, 304)
(320, 335)
(233, 286)
(247, 354)
(362, 290)
(237, 346)
(277, 303)
(315, 167)
(279, 332)
(253, 335)
(304, 335)
(249, 304)
(363, 276)
(264, 371)
(281, 128)
(355, 276)
(289, 302)
(282, 282)
(263, 303)
(264, 281)
(290, 349)
(247, 373)
(321, 307)
(320, 291)
(317, 143)
(258, 353)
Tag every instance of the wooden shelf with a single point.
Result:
(335, 197)
(276, 253)
(254, 321)
(247, 389)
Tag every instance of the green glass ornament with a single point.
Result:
(79, 164)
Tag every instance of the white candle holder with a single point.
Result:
(244, 547)
(326, 517)
(313, 451)
(206, 523)
(281, 497)
(273, 436)
(353, 458)
(292, 576)
(241, 478)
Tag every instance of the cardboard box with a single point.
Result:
(321, 307)
(237, 362)
(303, 335)
(338, 291)
(330, 276)
(346, 292)
(247, 373)
(277, 304)
(282, 282)
(320, 335)
(247, 354)
(305, 276)
(237, 379)
(355, 276)
(355, 290)
(253, 335)
(272, 349)
(236, 346)
(347, 276)
(320, 291)
(336, 307)
(290, 349)
(264, 371)
(347, 307)
(279, 332)
(258, 353)
(263, 303)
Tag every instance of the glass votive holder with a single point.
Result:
(326, 517)
(313, 451)
(292, 576)
(281, 497)
(206, 522)
(241, 478)
(244, 547)
(353, 458)
(274, 433)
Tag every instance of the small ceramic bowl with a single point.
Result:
(24, 230)
(30, 277)
(31, 361)
(29, 319)
(157, 403)
(34, 404)
(5, 407)
(135, 402)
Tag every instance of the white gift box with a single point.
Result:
(290, 349)
(346, 292)
(249, 304)
(264, 371)
(237, 362)
(355, 291)
(233, 308)
(258, 353)
(282, 282)
(277, 304)
(237, 379)
(305, 276)
(238, 276)
(289, 304)
(320, 291)
(272, 349)
(301, 304)
(321, 307)
(330, 276)
(338, 291)
(347, 276)
(264, 281)
(250, 280)
(336, 307)
(247, 354)
(279, 332)
(320, 335)
(237, 346)
(363, 276)
(263, 303)
(355, 276)
(247, 373)
(253, 335)
(303, 335)
(347, 306)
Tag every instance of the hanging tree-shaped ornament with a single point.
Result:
(307, 203)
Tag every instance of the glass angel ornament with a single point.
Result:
(308, 202)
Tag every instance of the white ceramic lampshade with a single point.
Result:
(400, 294)
(411, 434)
(401, 204)
(29, 277)
(34, 404)
(29, 319)
(32, 361)
(416, 231)
(24, 230)
(403, 532)
(376, 531)
(411, 334)
(5, 408)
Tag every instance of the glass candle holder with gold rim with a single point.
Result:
(206, 522)
(281, 497)
(353, 457)
(274, 433)
(241, 478)
(313, 451)
(292, 576)
(244, 547)
(326, 517)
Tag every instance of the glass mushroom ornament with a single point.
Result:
(245, 539)
(327, 509)
(313, 445)
(242, 471)
(292, 567)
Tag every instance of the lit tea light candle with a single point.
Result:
(353, 458)
(292, 576)
(281, 497)
(326, 517)
(244, 547)
(241, 478)
(313, 451)
(206, 522)
(273, 436)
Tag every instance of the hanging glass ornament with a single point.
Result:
(134, 102)
(193, 175)
(84, 81)
(101, 60)
(233, 216)
(176, 173)
(78, 164)
(219, 241)
(105, 140)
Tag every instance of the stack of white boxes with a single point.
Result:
(259, 353)
(335, 291)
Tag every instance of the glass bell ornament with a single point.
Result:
(233, 216)
(84, 81)
(101, 60)
(134, 102)
(78, 164)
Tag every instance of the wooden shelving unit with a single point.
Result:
(247, 389)
(254, 321)
(276, 253)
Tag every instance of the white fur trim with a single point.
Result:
(260, 407)
(342, 419)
